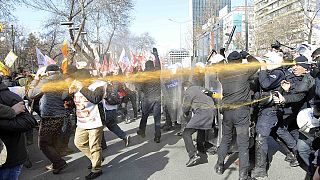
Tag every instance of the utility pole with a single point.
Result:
(246, 25)
(12, 36)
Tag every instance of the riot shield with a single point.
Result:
(171, 98)
(213, 84)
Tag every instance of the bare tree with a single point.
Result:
(87, 13)
(311, 10)
(285, 28)
(6, 8)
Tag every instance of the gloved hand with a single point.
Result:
(278, 98)
(314, 71)
(244, 54)
(208, 93)
(186, 114)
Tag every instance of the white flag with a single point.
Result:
(11, 57)
(123, 53)
(41, 59)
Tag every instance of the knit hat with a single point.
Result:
(235, 55)
(302, 61)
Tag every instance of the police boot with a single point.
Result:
(260, 167)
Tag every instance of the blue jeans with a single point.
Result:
(10, 173)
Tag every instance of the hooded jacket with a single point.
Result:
(12, 128)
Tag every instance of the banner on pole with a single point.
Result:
(41, 58)
(64, 51)
(11, 57)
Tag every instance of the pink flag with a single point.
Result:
(110, 62)
(49, 60)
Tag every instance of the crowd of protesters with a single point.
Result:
(249, 104)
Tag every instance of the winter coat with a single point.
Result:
(12, 128)
(151, 89)
(6, 112)
(51, 103)
(202, 107)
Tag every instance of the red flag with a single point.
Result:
(110, 62)
(105, 66)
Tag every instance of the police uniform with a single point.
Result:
(236, 91)
(268, 118)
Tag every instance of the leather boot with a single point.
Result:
(260, 167)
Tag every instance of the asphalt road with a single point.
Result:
(144, 159)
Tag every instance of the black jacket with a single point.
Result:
(152, 89)
(11, 129)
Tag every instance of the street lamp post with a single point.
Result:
(180, 23)
(247, 25)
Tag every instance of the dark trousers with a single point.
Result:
(123, 107)
(268, 122)
(61, 143)
(240, 120)
(49, 130)
(148, 107)
(112, 125)
(187, 138)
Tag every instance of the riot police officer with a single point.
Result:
(236, 90)
(270, 78)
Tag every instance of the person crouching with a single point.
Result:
(202, 107)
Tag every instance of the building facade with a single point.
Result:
(176, 56)
(237, 17)
(201, 11)
(286, 21)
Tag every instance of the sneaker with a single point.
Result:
(58, 170)
(193, 160)
(49, 167)
(157, 139)
(127, 141)
(179, 133)
(141, 133)
(219, 168)
(127, 121)
(93, 175)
